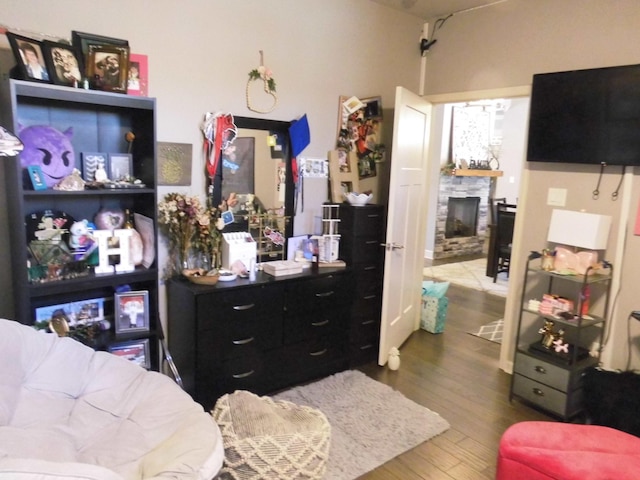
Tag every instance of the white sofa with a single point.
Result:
(69, 412)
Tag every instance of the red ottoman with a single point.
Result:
(563, 451)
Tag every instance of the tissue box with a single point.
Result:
(433, 313)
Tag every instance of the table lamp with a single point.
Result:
(579, 230)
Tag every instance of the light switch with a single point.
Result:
(557, 197)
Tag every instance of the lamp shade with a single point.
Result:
(579, 229)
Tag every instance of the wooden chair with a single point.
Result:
(493, 209)
(505, 220)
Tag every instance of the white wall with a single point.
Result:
(200, 53)
(503, 46)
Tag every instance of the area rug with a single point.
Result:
(470, 274)
(371, 423)
(491, 331)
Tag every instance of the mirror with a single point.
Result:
(259, 163)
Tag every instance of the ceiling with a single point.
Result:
(428, 9)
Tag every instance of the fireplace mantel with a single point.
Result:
(466, 172)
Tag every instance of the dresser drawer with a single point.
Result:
(221, 309)
(543, 372)
(321, 293)
(241, 337)
(316, 324)
(546, 397)
(362, 221)
(368, 277)
(364, 329)
(311, 355)
(362, 250)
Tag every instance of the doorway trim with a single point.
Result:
(508, 343)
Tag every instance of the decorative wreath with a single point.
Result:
(262, 73)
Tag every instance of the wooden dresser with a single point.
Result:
(259, 336)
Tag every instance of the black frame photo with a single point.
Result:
(28, 52)
(131, 312)
(136, 351)
(82, 40)
(62, 62)
(108, 67)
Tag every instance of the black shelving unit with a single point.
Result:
(543, 377)
(99, 121)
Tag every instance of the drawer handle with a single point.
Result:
(366, 347)
(320, 324)
(540, 369)
(367, 322)
(318, 353)
(243, 375)
(244, 341)
(370, 297)
(538, 392)
(373, 215)
(244, 307)
(371, 267)
(325, 294)
(371, 242)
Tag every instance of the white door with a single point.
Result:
(406, 222)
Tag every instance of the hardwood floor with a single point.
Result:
(456, 375)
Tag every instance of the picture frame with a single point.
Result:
(131, 312)
(343, 174)
(81, 312)
(37, 178)
(138, 81)
(91, 161)
(30, 63)
(82, 40)
(62, 63)
(120, 166)
(174, 163)
(108, 67)
(136, 351)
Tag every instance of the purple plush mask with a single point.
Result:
(49, 148)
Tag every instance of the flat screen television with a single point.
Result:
(586, 116)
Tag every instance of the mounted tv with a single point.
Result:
(586, 116)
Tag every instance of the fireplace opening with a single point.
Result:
(462, 217)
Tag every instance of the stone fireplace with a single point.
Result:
(461, 220)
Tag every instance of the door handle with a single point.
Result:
(392, 246)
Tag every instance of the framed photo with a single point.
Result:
(343, 173)
(92, 162)
(37, 179)
(108, 67)
(120, 166)
(136, 351)
(82, 40)
(131, 312)
(138, 83)
(82, 312)
(29, 58)
(174, 163)
(62, 63)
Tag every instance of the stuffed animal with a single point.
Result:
(80, 235)
(49, 148)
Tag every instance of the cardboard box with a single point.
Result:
(433, 313)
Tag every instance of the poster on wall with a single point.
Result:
(360, 131)
(174, 163)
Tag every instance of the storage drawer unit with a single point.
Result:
(362, 233)
(259, 336)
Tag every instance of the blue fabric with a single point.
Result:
(299, 134)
